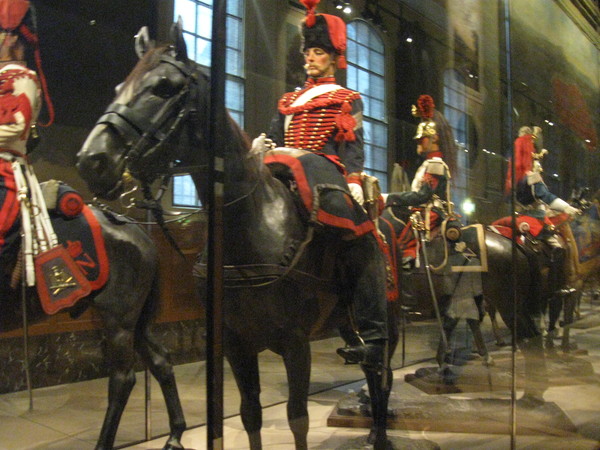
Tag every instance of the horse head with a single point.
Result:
(143, 130)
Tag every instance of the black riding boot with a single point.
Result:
(408, 298)
(365, 284)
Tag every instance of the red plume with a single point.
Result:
(426, 106)
(310, 6)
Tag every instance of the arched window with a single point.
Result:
(366, 74)
(197, 31)
(455, 111)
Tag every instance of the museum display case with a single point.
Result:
(519, 370)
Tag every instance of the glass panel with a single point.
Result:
(488, 82)
(204, 22)
(235, 7)
(187, 10)
(184, 191)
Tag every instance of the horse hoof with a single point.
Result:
(173, 446)
(379, 443)
(488, 361)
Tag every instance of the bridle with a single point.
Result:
(146, 137)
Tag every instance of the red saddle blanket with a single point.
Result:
(524, 223)
(322, 189)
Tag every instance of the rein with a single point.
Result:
(138, 132)
(145, 138)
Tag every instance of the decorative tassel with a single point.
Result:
(310, 6)
(17, 272)
(345, 124)
(341, 62)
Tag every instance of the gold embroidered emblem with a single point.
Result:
(60, 279)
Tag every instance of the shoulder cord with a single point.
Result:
(26, 225)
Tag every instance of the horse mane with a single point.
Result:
(240, 135)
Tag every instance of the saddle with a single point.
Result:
(321, 189)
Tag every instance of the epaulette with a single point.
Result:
(436, 167)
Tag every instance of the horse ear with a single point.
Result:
(143, 43)
(179, 41)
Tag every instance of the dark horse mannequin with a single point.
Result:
(167, 95)
(126, 304)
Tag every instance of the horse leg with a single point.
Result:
(244, 365)
(154, 356)
(491, 310)
(482, 349)
(120, 355)
(449, 324)
(297, 360)
(555, 304)
(570, 304)
(378, 381)
(536, 375)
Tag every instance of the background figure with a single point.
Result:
(326, 118)
(536, 201)
(20, 103)
(430, 188)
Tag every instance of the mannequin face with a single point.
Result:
(319, 63)
(427, 144)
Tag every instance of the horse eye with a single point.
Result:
(164, 88)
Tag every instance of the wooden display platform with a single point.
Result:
(435, 409)
(563, 370)
(444, 414)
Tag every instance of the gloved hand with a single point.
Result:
(261, 144)
(558, 204)
(357, 192)
(572, 211)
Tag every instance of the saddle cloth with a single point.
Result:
(469, 253)
(321, 187)
(80, 234)
(525, 223)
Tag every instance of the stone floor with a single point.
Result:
(69, 416)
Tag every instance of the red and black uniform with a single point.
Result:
(20, 101)
(325, 118)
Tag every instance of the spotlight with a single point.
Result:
(347, 8)
(338, 4)
(409, 39)
(468, 206)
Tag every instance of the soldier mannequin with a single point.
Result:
(326, 119)
(20, 102)
(537, 201)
